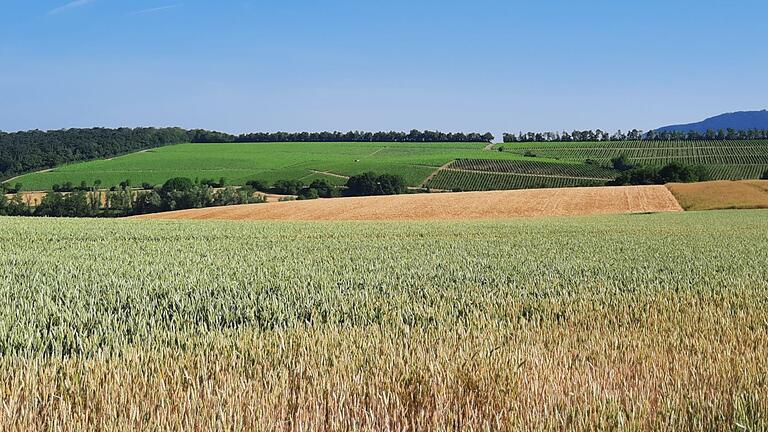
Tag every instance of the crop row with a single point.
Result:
(534, 168)
(692, 155)
(483, 181)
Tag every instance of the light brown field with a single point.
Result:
(719, 195)
(451, 206)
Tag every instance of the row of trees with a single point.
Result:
(182, 193)
(203, 136)
(674, 172)
(23, 152)
(359, 185)
(175, 194)
(635, 135)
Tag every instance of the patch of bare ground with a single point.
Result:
(720, 195)
(451, 206)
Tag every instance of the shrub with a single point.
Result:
(179, 184)
(308, 194)
(287, 187)
(765, 175)
(363, 184)
(258, 185)
(621, 163)
(56, 204)
(148, 203)
(371, 184)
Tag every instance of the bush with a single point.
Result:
(150, 202)
(621, 163)
(371, 184)
(233, 196)
(765, 175)
(287, 187)
(66, 187)
(56, 204)
(363, 184)
(258, 185)
(308, 194)
(5, 188)
(178, 184)
(323, 189)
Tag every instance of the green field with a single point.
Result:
(636, 322)
(472, 168)
(269, 162)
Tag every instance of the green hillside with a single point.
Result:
(447, 166)
(269, 162)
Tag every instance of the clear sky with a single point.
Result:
(473, 65)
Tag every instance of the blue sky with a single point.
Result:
(294, 65)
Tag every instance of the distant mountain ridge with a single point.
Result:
(742, 120)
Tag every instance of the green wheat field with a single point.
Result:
(653, 322)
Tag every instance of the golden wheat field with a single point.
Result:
(629, 322)
(718, 195)
(451, 206)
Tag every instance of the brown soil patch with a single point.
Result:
(718, 195)
(451, 206)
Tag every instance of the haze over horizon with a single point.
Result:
(242, 66)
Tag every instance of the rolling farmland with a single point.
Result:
(609, 322)
(446, 166)
(266, 161)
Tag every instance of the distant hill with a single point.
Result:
(743, 120)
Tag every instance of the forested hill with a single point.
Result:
(738, 121)
(23, 152)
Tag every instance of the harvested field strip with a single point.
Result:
(719, 195)
(451, 206)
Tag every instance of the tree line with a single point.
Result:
(23, 152)
(203, 136)
(673, 172)
(182, 193)
(636, 135)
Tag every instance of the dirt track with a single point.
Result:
(451, 206)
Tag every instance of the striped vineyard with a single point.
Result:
(725, 160)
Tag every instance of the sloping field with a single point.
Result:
(719, 195)
(457, 206)
(268, 162)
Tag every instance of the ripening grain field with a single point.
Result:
(641, 322)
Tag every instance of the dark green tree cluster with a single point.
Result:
(671, 173)
(765, 175)
(23, 152)
(371, 184)
(14, 206)
(176, 194)
(635, 135)
(318, 189)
